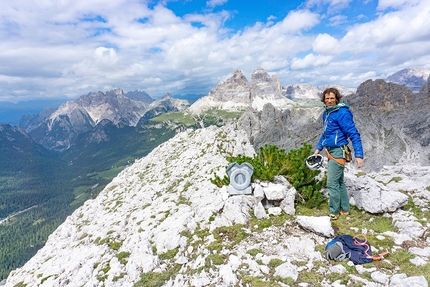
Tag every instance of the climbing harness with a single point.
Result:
(341, 161)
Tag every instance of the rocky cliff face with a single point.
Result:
(287, 129)
(392, 121)
(233, 92)
(31, 122)
(267, 89)
(140, 96)
(57, 130)
(113, 106)
(310, 92)
(301, 91)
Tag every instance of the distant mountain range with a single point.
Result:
(57, 130)
(88, 116)
(12, 113)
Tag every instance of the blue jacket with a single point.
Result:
(338, 126)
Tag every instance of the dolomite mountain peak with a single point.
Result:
(235, 93)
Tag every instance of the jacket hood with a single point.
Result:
(338, 106)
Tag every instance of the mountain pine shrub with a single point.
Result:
(271, 161)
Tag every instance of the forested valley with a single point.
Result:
(40, 188)
(38, 191)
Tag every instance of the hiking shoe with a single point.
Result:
(344, 212)
(334, 216)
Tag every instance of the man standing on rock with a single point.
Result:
(338, 126)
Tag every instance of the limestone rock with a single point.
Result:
(401, 280)
(368, 194)
(318, 225)
(275, 191)
(287, 270)
(166, 204)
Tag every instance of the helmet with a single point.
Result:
(314, 161)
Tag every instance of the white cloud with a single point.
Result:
(69, 48)
(310, 60)
(396, 28)
(338, 20)
(385, 4)
(326, 45)
(214, 3)
(105, 56)
(334, 6)
(297, 21)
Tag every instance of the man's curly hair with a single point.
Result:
(334, 91)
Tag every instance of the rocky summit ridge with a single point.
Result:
(162, 217)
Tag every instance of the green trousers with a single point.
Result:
(339, 199)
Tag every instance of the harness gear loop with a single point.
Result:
(364, 243)
(341, 161)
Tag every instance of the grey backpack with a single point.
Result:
(335, 251)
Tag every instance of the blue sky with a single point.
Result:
(64, 49)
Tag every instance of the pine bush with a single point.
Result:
(271, 161)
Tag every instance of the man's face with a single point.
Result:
(330, 100)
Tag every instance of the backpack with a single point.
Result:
(334, 251)
(345, 247)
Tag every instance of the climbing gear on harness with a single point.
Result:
(364, 243)
(314, 161)
(347, 152)
(341, 161)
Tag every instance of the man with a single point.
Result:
(338, 127)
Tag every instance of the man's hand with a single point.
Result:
(359, 162)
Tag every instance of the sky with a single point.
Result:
(64, 49)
